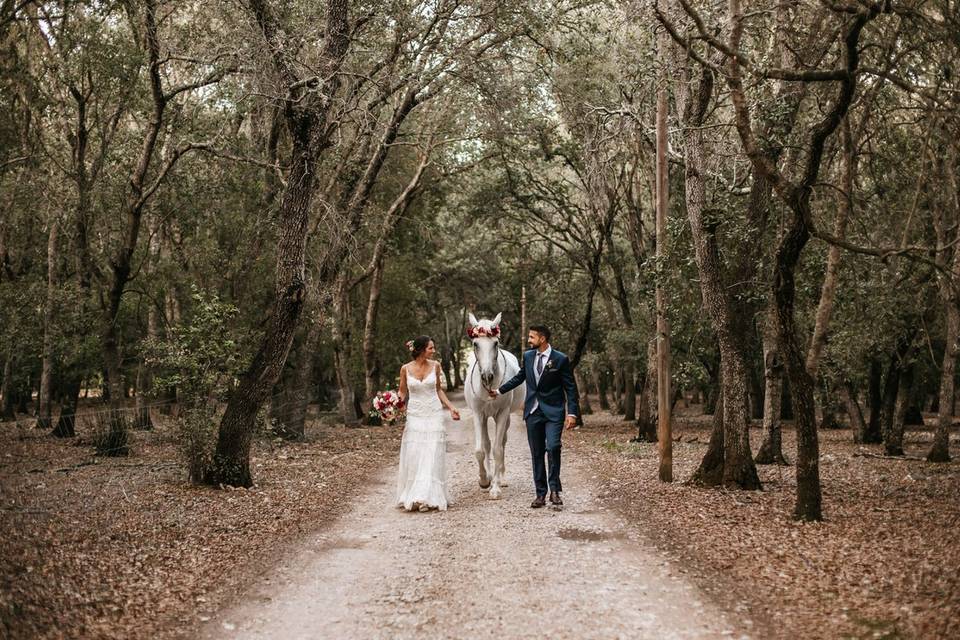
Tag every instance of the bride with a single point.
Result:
(422, 480)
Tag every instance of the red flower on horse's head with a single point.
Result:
(482, 332)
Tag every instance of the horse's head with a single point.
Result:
(485, 335)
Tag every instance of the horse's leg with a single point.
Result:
(502, 421)
(482, 446)
(503, 426)
(503, 439)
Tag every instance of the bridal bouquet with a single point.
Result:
(388, 406)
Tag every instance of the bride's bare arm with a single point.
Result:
(443, 396)
(403, 383)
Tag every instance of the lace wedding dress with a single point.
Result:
(422, 480)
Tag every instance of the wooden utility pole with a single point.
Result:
(523, 318)
(664, 430)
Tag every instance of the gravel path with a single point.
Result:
(483, 569)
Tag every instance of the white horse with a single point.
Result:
(488, 367)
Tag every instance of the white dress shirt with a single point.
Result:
(545, 355)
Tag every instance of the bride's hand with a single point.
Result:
(454, 413)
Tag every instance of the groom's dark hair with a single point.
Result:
(542, 329)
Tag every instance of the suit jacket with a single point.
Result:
(556, 385)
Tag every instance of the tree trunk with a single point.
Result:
(828, 291)
(891, 386)
(24, 394)
(739, 469)
(771, 451)
(446, 362)
(231, 460)
(46, 375)
(289, 415)
(142, 419)
(786, 401)
(711, 394)
(629, 391)
(7, 410)
(115, 441)
(605, 226)
(172, 310)
(585, 407)
(854, 413)
(662, 170)
(828, 407)
(710, 470)
(757, 392)
(873, 434)
(342, 351)
(893, 439)
(629, 405)
(796, 195)
(600, 383)
(647, 418)
(940, 450)
(66, 423)
(809, 497)
(457, 370)
(391, 219)
(306, 117)
(617, 385)
(371, 363)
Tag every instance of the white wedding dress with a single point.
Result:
(422, 479)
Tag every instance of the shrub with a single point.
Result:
(199, 358)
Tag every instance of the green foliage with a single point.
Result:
(529, 145)
(200, 359)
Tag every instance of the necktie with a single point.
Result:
(539, 365)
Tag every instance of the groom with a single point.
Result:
(549, 378)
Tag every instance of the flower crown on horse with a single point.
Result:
(484, 332)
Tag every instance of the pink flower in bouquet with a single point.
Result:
(388, 406)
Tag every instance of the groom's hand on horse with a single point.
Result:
(570, 422)
(493, 393)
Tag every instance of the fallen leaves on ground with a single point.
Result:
(126, 547)
(884, 563)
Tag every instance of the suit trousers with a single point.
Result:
(544, 438)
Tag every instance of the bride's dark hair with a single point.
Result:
(418, 345)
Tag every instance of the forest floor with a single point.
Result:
(116, 548)
(884, 563)
(126, 548)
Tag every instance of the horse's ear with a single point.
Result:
(473, 320)
(496, 321)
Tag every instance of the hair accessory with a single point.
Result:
(409, 345)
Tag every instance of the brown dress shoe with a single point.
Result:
(539, 502)
(555, 498)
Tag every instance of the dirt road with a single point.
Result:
(483, 569)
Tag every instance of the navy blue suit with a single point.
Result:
(546, 405)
